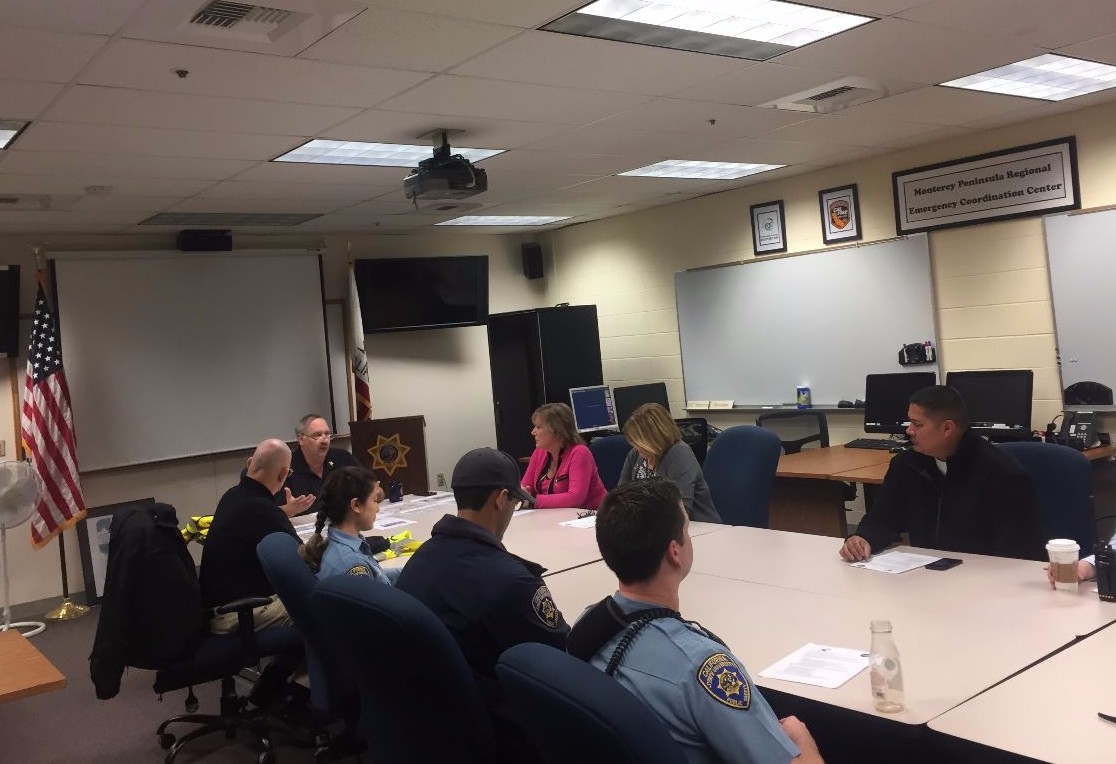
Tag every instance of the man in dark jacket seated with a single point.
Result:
(953, 490)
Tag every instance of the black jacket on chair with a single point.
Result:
(151, 613)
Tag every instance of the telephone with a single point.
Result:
(1079, 430)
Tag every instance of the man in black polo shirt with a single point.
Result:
(246, 514)
(488, 598)
(311, 463)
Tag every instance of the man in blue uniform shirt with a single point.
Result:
(488, 598)
(688, 677)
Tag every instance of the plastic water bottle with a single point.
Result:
(885, 672)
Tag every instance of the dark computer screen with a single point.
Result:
(400, 294)
(995, 397)
(592, 408)
(887, 397)
(631, 397)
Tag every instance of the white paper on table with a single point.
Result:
(581, 522)
(895, 562)
(389, 522)
(423, 503)
(819, 665)
(521, 512)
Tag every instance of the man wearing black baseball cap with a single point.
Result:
(488, 598)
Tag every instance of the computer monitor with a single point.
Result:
(592, 408)
(631, 397)
(887, 398)
(996, 400)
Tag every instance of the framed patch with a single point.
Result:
(358, 570)
(543, 605)
(723, 679)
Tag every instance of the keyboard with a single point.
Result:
(880, 444)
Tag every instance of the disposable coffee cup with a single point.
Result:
(1063, 562)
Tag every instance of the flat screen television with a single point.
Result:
(996, 399)
(402, 294)
(9, 311)
(887, 398)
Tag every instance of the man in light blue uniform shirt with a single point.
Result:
(346, 554)
(688, 677)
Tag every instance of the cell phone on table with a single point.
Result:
(425, 493)
(944, 564)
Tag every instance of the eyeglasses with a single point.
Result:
(289, 472)
(318, 435)
(586, 513)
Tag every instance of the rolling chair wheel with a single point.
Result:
(166, 740)
(267, 757)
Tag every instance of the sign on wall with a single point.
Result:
(1021, 182)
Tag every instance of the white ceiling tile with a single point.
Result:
(249, 190)
(893, 49)
(728, 120)
(49, 220)
(470, 97)
(152, 66)
(871, 7)
(850, 131)
(378, 126)
(632, 143)
(934, 136)
(118, 203)
(290, 173)
(563, 60)
(939, 106)
(760, 151)
(1035, 22)
(73, 184)
(103, 17)
(401, 39)
(25, 100)
(1101, 49)
(20, 162)
(758, 84)
(521, 13)
(343, 221)
(151, 141)
(633, 189)
(269, 206)
(527, 161)
(115, 106)
(27, 54)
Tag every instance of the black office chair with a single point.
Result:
(609, 453)
(151, 618)
(796, 422)
(419, 700)
(1087, 394)
(1063, 480)
(695, 431)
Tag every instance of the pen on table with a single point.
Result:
(1106, 717)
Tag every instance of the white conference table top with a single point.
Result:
(1048, 712)
(952, 643)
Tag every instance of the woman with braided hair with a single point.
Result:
(349, 504)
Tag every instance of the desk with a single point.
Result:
(808, 496)
(24, 671)
(1049, 712)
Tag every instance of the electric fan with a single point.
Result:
(20, 489)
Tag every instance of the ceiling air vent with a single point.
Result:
(831, 97)
(222, 14)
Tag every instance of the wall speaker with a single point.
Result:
(212, 240)
(532, 261)
(9, 311)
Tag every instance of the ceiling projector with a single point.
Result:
(445, 176)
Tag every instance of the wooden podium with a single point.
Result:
(393, 448)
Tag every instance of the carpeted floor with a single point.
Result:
(72, 726)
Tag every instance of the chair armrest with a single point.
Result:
(246, 625)
(245, 603)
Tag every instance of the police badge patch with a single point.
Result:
(543, 605)
(358, 570)
(723, 679)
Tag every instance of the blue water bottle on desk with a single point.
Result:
(803, 397)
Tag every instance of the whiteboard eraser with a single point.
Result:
(720, 404)
(697, 404)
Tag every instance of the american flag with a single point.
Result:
(48, 430)
(357, 354)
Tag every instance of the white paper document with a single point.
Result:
(391, 522)
(895, 562)
(582, 522)
(819, 665)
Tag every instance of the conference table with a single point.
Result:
(24, 671)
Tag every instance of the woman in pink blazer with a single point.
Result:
(562, 472)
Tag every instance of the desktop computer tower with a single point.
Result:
(535, 357)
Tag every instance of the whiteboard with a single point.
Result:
(170, 355)
(752, 332)
(1082, 261)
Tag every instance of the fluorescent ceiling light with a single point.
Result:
(522, 220)
(1049, 77)
(9, 129)
(753, 29)
(319, 151)
(684, 168)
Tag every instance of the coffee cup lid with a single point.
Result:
(1062, 545)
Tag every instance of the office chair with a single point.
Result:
(333, 692)
(812, 421)
(1087, 394)
(1063, 480)
(695, 431)
(740, 470)
(419, 700)
(573, 712)
(609, 453)
(152, 618)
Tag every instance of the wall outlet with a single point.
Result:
(441, 479)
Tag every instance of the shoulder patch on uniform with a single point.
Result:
(723, 679)
(358, 570)
(543, 605)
